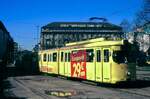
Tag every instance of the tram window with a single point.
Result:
(62, 56)
(54, 57)
(65, 57)
(118, 57)
(98, 53)
(106, 55)
(44, 57)
(50, 57)
(89, 55)
(68, 57)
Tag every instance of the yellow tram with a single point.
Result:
(99, 60)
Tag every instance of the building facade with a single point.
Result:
(57, 34)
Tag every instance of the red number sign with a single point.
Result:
(78, 64)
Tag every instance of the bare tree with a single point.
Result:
(126, 26)
(143, 15)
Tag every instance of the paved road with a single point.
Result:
(48, 87)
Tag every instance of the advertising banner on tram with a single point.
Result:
(78, 64)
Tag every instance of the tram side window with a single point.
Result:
(50, 57)
(106, 55)
(62, 56)
(44, 57)
(54, 57)
(65, 57)
(68, 57)
(98, 53)
(89, 55)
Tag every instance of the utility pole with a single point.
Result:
(37, 38)
(37, 33)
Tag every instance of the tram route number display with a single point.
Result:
(78, 64)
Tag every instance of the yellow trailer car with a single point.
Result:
(99, 60)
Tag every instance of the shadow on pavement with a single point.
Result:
(25, 64)
(135, 84)
(13, 98)
(7, 93)
(128, 85)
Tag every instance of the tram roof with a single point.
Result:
(97, 42)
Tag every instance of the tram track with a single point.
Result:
(33, 84)
(136, 92)
(128, 91)
(131, 92)
(33, 90)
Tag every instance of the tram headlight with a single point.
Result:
(128, 73)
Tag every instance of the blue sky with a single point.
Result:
(21, 17)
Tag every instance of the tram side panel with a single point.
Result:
(107, 64)
(118, 69)
(48, 62)
(53, 61)
(90, 64)
(43, 62)
(64, 63)
(122, 69)
(67, 65)
(103, 64)
(119, 72)
(99, 66)
(40, 60)
(61, 63)
(96, 64)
